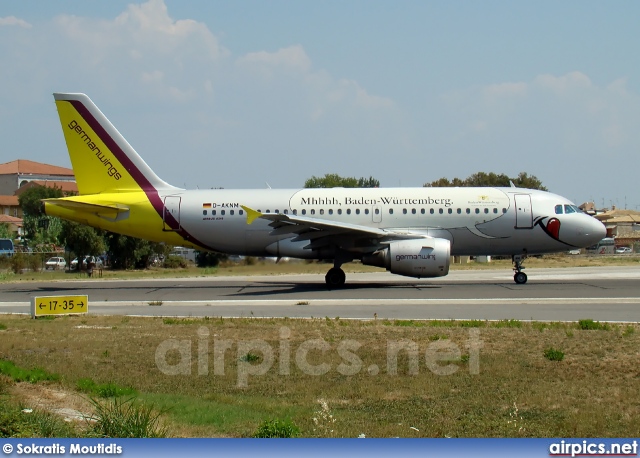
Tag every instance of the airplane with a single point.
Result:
(408, 231)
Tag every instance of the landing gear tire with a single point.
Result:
(520, 278)
(335, 278)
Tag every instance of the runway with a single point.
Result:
(571, 294)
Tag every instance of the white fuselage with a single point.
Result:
(477, 221)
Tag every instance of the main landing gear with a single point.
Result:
(335, 278)
(519, 277)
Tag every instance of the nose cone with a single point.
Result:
(594, 231)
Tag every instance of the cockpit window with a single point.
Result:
(569, 209)
(558, 209)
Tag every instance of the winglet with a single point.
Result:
(251, 214)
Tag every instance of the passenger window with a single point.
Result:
(331, 211)
(348, 211)
(304, 212)
(286, 212)
(391, 211)
(504, 210)
(450, 211)
(568, 209)
(268, 211)
(322, 211)
(295, 212)
(441, 211)
(339, 211)
(468, 211)
(477, 211)
(459, 211)
(204, 212)
(495, 210)
(404, 211)
(377, 211)
(231, 212)
(357, 211)
(222, 212)
(277, 211)
(213, 212)
(422, 211)
(313, 211)
(431, 211)
(413, 211)
(558, 209)
(486, 211)
(241, 212)
(366, 211)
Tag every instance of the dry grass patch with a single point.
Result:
(593, 391)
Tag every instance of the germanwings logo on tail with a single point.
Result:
(112, 170)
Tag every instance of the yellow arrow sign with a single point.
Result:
(59, 305)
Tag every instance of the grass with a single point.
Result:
(19, 374)
(103, 390)
(591, 393)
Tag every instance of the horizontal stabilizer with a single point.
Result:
(104, 210)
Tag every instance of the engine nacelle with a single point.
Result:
(421, 258)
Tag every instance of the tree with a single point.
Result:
(524, 180)
(5, 231)
(82, 240)
(333, 180)
(128, 252)
(31, 200)
(35, 222)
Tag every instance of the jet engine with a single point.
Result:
(421, 258)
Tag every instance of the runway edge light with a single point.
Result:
(59, 305)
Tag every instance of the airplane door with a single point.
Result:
(524, 215)
(171, 213)
(376, 214)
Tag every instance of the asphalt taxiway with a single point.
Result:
(570, 294)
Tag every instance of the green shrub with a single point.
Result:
(34, 262)
(18, 263)
(126, 418)
(592, 325)
(553, 354)
(277, 429)
(173, 262)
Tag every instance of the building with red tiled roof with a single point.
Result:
(15, 224)
(9, 206)
(67, 187)
(14, 174)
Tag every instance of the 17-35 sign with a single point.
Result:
(59, 305)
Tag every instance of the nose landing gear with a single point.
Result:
(519, 276)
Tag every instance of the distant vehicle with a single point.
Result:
(55, 263)
(623, 250)
(605, 246)
(97, 261)
(6, 247)
(574, 251)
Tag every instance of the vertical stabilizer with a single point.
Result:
(102, 160)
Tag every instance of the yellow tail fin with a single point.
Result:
(103, 161)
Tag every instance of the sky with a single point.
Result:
(250, 94)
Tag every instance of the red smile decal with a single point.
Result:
(553, 227)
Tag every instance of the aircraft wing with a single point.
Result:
(320, 231)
